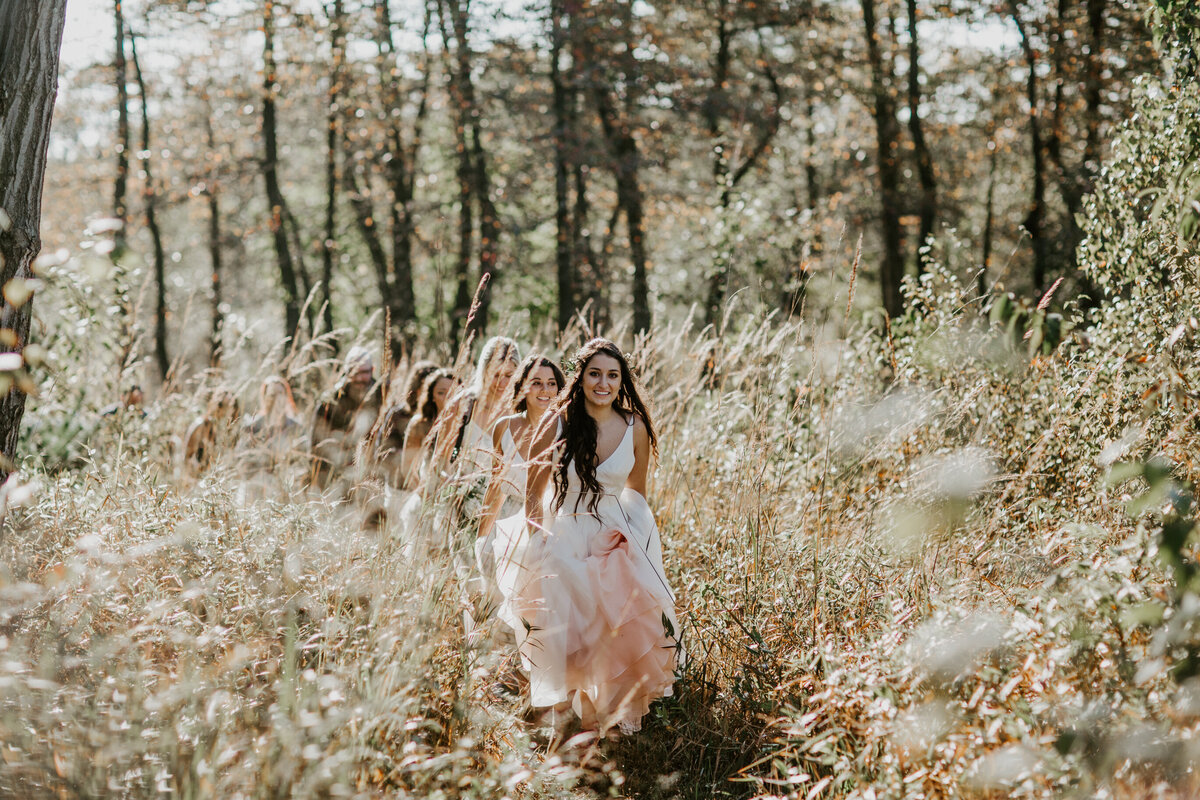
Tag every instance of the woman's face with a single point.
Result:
(502, 375)
(541, 389)
(440, 390)
(601, 380)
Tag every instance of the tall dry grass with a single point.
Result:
(899, 568)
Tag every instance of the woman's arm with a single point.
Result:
(493, 498)
(414, 438)
(541, 465)
(641, 457)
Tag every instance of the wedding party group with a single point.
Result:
(530, 476)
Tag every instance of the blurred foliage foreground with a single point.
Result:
(953, 557)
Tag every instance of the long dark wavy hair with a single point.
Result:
(533, 362)
(579, 429)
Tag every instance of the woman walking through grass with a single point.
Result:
(501, 546)
(596, 616)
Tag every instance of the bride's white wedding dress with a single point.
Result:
(589, 602)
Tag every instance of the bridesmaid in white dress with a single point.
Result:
(500, 547)
(458, 462)
(474, 410)
(596, 616)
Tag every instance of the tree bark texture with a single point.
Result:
(887, 135)
(150, 201)
(30, 38)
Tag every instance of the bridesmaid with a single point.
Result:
(473, 411)
(432, 399)
(498, 548)
(596, 615)
(386, 445)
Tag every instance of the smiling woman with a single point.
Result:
(593, 613)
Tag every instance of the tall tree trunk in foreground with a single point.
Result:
(270, 166)
(1037, 211)
(916, 131)
(30, 37)
(887, 135)
(150, 200)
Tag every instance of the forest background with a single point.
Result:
(929, 511)
(621, 158)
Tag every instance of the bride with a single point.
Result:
(595, 616)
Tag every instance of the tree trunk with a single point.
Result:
(212, 190)
(214, 255)
(1094, 85)
(368, 226)
(270, 171)
(399, 172)
(590, 266)
(985, 269)
(489, 230)
(562, 221)
(916, 130)
(1037, 211)
(150, 199)
(725, 175)
(30, 37)
(592, 275)
(333, 116)
(473, 178)
(626, 160)
(887, 134)
(121, 183)
(812, 189)
(464, 173)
